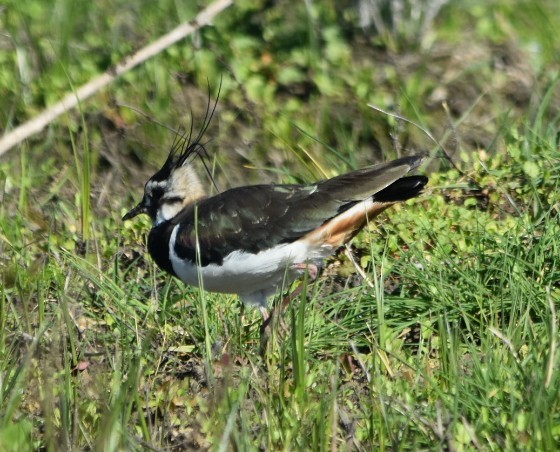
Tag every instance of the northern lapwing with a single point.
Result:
(255, 240)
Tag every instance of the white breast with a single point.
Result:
(253, 276)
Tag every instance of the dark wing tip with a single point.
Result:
(402, 189)
(414, 161)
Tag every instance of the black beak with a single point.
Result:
(140, 208)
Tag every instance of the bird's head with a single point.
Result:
(176, 185)
(168, 192)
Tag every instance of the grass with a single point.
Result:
(452, 343)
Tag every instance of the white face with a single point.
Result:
(166, 212)
(165, 199)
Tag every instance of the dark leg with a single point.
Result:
(269, 318)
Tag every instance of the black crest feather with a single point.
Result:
(187, 146)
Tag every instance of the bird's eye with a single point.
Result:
(154, 190)
(157, 192)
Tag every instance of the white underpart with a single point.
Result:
(254, 277)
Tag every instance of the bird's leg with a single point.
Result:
(269, 317)
(312, 272)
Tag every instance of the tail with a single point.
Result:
(402, 189)
(385, 180)
(363, 195)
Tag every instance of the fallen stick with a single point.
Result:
(72, 99)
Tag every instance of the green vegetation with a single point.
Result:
(452, 341)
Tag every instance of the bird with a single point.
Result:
(256, 240)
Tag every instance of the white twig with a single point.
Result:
(553, 339)
(72, 99)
